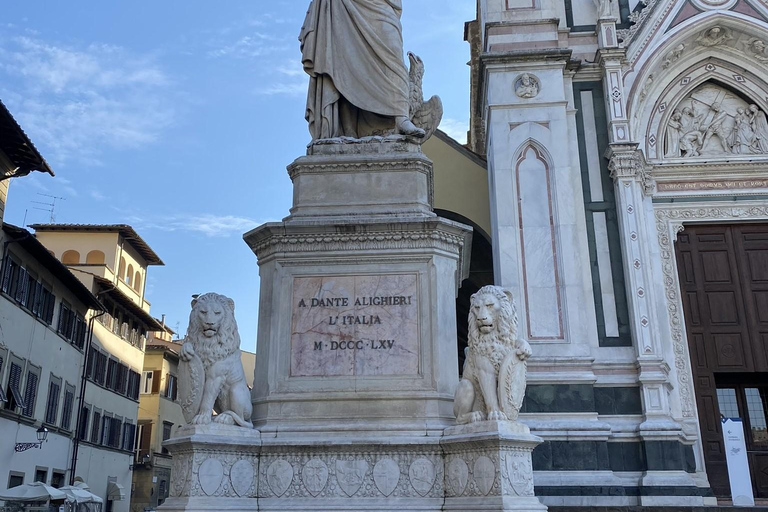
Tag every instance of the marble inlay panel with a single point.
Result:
(355, 326)
(539, 255)
(606, 275)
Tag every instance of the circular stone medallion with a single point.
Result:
(210, 474)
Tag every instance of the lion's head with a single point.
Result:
(493, 317)
(212, 327)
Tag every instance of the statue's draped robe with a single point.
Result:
(353, 53)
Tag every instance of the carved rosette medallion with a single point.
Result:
(386, 476)
(422, 475)
(520, 473)
(242, 475)
(350, 475)
(484, 473)
(210, 475)
(279, 477)
(315, 476)
(457, 476)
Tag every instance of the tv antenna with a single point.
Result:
(49, 205)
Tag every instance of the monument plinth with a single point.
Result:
(357, 319)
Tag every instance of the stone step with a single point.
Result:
(660, 509)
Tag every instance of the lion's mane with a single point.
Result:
(499, 342)
(227, 339)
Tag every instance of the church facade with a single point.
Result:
(627, 149)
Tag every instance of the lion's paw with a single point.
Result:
(201, 419)
(497, 416)
(224, 419)
(476, 416)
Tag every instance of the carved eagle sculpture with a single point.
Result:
(424, 114)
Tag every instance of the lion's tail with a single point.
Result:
(237, 419)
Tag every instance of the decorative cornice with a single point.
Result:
(316, 165)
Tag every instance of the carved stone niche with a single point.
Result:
(713, 121)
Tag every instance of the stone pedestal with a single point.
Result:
(488, 467)
(215, 467)
(357, 320)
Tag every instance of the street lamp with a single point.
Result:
(42, 436)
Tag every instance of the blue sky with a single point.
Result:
(179, 118)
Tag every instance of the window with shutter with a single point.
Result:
(14, 382)
(49, 302)
(85, 415)
(95, 427)
(30, 394)
(7, 273)
(20, 290)
(3, 397)
(52, 407)
(106, 422)
(156, 376)
(111, 374)
(37, 299)
(66, 413)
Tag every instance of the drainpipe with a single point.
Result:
(83, 383)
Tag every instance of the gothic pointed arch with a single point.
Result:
(713, 108)
(728, 42)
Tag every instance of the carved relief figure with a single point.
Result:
(717, 128)
(757, 49)
(211, 372)
(673, 56)
(742, 133)
(493, 384)
(726, 125)
(527, 86)
(714, 36)
(359, 85)
(759, 126)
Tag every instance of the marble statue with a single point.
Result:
(714, 36)
(604, 9)
(527, 86)
(359, 85)
(493, 384)
(211, 373)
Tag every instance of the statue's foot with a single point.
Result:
(406, 127)
(201, 419)
(476, 416)
(497, 416)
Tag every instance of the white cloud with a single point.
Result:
(210, 225)
(455, 129)
(77, 101)
(254, 45)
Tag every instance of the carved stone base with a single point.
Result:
(377, 178)
(215, 467)
(488, 468)
(333, 474)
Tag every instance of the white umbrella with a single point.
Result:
(80, 495)
(36, 491)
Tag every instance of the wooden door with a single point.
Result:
(723, 274)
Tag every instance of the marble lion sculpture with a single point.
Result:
(493, 384)
(211, 372)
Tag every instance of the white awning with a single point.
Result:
(115, 492)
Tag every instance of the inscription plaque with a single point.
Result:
(355, 326)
